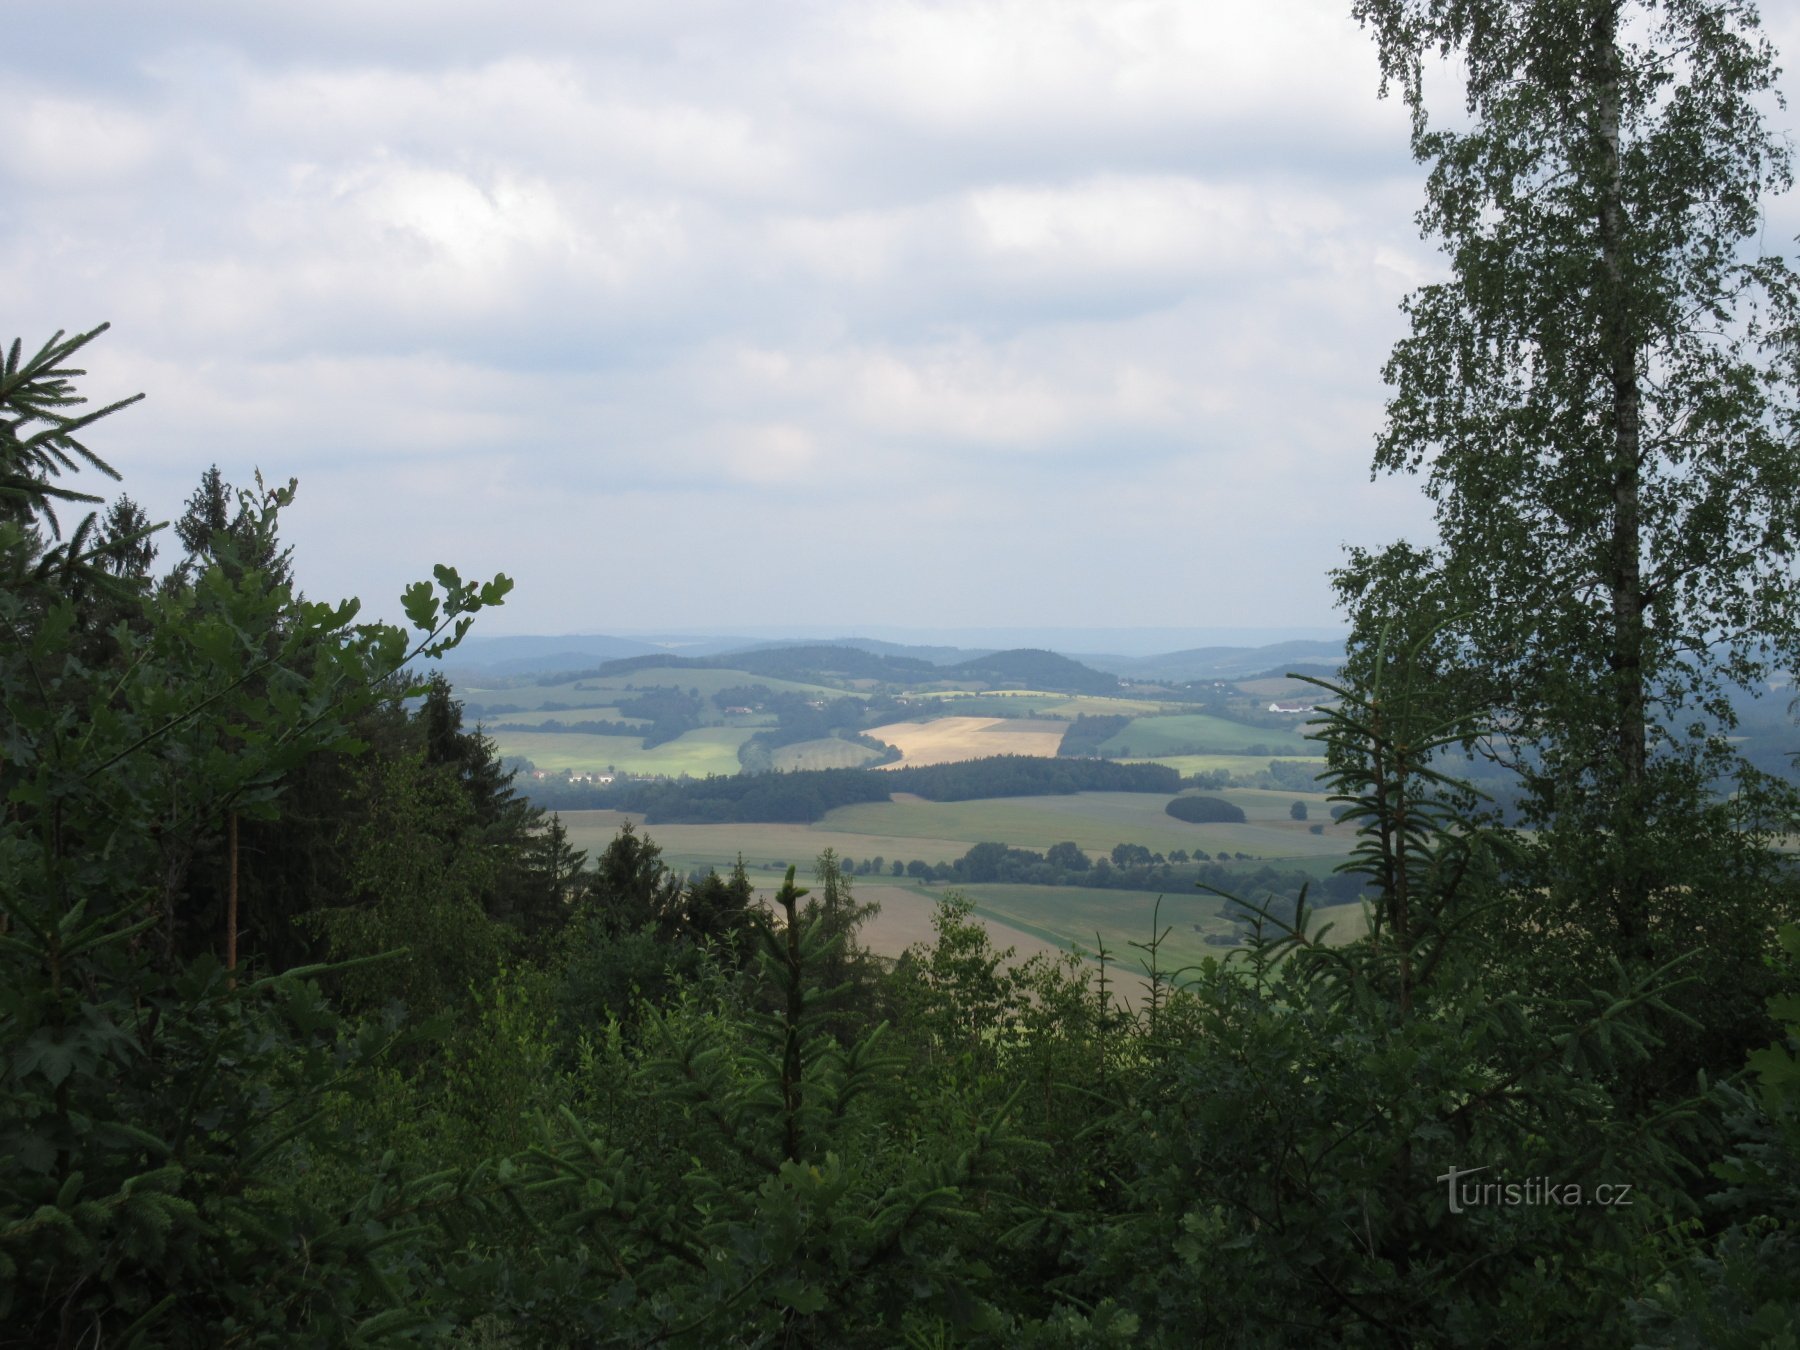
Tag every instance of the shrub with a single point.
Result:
(1201, 810)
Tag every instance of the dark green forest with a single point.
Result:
(316, 1032)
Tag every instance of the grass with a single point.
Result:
(707, 750)
(1201, 732)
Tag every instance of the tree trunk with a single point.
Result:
(1625, 659)
(231, 895)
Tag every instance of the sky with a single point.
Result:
(696, 315)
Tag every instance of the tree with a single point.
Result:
(1067, 856)
(1602, 396)
(1297, 811)
(153, 1105)
(631, 887)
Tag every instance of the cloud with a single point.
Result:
(908, 311)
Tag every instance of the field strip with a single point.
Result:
(950, 740)
(906, 915)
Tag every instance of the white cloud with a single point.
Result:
(497, 283)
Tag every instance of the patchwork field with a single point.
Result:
(1036, 703)
(1147, 737)
(906, 914)
(763, 847)
(706, 750)
(1094, 820)
(1057, 919)
(950, 740)
(935, 832)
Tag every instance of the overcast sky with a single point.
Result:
(696, 314)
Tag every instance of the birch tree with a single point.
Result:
(1601, 397)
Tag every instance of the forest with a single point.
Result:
(317, 1032)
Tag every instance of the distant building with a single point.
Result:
(1292, 708)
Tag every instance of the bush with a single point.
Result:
(1205, 811)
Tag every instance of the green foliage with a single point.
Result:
(155, 1104)
(1299, 1112)
(773, 1199)
(1602, 396)
(1203, 810)
(417, 884)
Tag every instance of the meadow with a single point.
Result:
(1238, 766)
(1147, 737)
(941, 832)
(1094, 820)
(830, 752)
(698, 753)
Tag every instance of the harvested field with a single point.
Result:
(950, 740)
(905, 919)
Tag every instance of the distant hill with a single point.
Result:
(1226, 663)
(1034, 668)
(937, 655)
(531, 655)
(580, 654)
(1026, 668)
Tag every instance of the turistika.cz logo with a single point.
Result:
(1465, 1194)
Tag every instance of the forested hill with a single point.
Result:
(1034, 668)
(808, 664)
(1025, 668)
(806, 796)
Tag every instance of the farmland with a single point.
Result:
(1094, 820)
(947, 740)
(706, 750)
(824, 710)
(1030, 917)
(1147, 737)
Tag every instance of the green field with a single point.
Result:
(706, 750)
(686, 847)
(829, 753)
(1073, 918)
(1239, 766)
(1094, 820)
(943, 831)
(1035, 703)
(1076, 917)
(534, 717)
(1148, 737)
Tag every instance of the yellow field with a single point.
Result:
(950, 740)
(905, 918)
